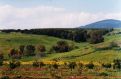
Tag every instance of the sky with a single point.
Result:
(28, 14)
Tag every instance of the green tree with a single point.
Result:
(61, 46)
(21, 49)
(41, 49)
(95, 36)
(15, 54)
(30, 50)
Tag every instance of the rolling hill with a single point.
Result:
(109, 23)
(85, 52)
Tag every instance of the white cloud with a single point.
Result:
(47, 17)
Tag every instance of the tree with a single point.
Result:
(61, 46)
(80, 36)
(15, 54)
(30, 50)
(95, 36)
(41, 49)
(21, 49)
(117, 64)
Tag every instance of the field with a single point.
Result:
(84, 53)
(14, 40)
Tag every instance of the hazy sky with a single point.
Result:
(56, 13)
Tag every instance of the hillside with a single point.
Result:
(85, 51)
(109, 23)
(14, 40)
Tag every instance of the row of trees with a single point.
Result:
(78, 35)
(29, 50)
(72, 65)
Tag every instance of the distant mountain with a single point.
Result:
(109, 23)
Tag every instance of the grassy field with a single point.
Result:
(85, 52)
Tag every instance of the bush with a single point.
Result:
(17, 63)
(1, 62)
(55, 66)
(117, 64)
(90, 65)
(103, 74)
(21, 48)
(5, 77)
(108, 65)
(15, 54)
(17, 77)
(36, 64)
(41, 48)
(14, 64)
(41, 51)
(72, 65)
(80, 65)
(1, 56)
(95, 36)
(61, 46)
(30, 50)
(41, 64)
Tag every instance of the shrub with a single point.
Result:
(61, 46)
(72, 65)
(29, 51)
(21, 48)
(36, 64)
(80, 65)
(55, 66)
(1, 62)
(41, 49)
(5, 77)
(17, 63)
(117, 64)
(95, 36)
(1, 56)
(17, 77)
(41, 64)
(15, 54)
(14, 64)
(108, 65)
(90, 65)
(103, 74)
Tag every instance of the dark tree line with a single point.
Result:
(78, 35)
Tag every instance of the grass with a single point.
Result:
(14, 40)
(85, 51)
